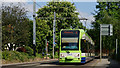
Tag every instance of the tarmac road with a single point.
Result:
(53, 64)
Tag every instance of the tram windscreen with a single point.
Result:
(70, 40)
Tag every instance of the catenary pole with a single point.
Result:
(100, 43)
(34, 27)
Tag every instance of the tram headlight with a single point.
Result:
(77, 55)
(62, 55)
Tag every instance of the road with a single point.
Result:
(96, 63)
(52, 63)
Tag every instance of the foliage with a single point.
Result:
(15, 25)
(107, 13)
(56, 55)
(14, 55)
(66, 18)
(42, 30)
(29, 50)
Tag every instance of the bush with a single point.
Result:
(5, 55)
(21, 56)
(39, 55)
(56, 55)
(29, 50)
(14, 55)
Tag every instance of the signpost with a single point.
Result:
(46, 48)
(105, 29)
(54, 33)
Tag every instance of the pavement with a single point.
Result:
(104, 63)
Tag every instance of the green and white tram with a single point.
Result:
(76, 46)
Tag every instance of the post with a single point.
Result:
(116, 46)
(85, 24)
(34, 27)
(54, 33)
(46, 48)
(88, 48)
(100, 43)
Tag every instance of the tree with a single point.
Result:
(107, 13)
(42, 31)
(15, 25)
(66, 18)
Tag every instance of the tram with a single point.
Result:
(76, 46)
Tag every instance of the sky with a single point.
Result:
(84, 7)
(85, 10)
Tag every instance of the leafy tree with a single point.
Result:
(41, 34)
(15, 25)
(107, 13)
(66, 18)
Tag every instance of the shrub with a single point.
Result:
(21, 56)
(14, 55)
(56, 55)
(39, 55)
(29, 50)
(5, 55)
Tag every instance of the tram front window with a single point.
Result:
(70, 40)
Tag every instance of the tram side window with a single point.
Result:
(83, 46)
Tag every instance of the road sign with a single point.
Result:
(106, 29)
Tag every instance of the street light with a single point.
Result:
(83, 20)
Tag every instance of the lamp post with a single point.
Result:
(83, 20)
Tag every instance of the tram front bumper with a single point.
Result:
(69, 60)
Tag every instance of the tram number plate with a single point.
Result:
(69, 54)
